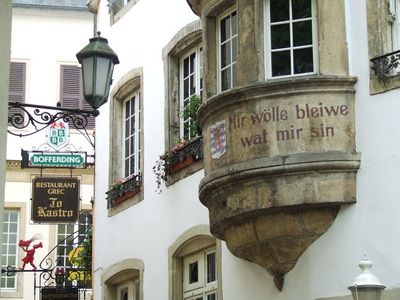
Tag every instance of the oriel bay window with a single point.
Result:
(290, 37)
(227, 46)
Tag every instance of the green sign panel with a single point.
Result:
(38, 159)
(53, 160)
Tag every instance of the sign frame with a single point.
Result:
(55, 199)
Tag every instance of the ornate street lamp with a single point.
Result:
(366, 286)
(97, 60)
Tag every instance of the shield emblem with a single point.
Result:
(58, 134)
(218, 139)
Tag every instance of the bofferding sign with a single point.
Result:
(55, 199)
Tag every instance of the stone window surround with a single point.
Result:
(195, 239)
(379, 43)
(117, 16)
(332, 44)
(21, 208)
(126, 86)
(185, 39)
(125, 270)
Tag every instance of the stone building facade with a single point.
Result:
(291, 179)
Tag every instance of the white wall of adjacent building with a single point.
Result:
(43, 39)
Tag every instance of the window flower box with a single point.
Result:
(179, 157)
(123, 190)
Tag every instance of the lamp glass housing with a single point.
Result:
(97, 60)
(366, 293)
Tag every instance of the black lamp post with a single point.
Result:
(97, 60)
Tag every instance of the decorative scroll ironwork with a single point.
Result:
(385, 65)
(22, 117)
(51, 273)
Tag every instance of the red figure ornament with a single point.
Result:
(29, 257)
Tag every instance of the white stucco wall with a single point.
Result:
(146, 230)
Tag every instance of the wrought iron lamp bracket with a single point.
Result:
(39, 117)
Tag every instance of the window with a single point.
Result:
(69, 236)
(199, 276)
(195, 262)
(227, 45)
(17, 84)
(71, 94)
(65, 243)
(132, 136)
(394, 19)
(10, 247)
(191, 83)
(290, 37)
(124, 280)
(126, 144)
(183, 65)
(129, 290)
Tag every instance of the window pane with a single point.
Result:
(192, 85)
(225, 54)
(126, 148)
(225, 79)
(186, 88)
(279, 10)
(193, 272)
(280, 36)
(127, 111)
(225, 29)
(234, 23)
(301, 9)
(192, 62)
(210, 267)
(303, 61)
(234, 49)
(281, 63)
(186, 67)
(212, 296)
(302, 33)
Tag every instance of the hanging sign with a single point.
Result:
(40, 159)
(56, 293)
(55, 199)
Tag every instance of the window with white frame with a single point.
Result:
(191, 83)
(290, 37)
(129, 290)
(227, 48)
(200, 276)
(132, 135)
(10, 248)
(65, 243)
(394, 19)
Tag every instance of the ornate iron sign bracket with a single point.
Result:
(41, 117)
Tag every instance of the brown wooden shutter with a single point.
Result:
(17, 85)
(71, 94)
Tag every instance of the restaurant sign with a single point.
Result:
(55, 199)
